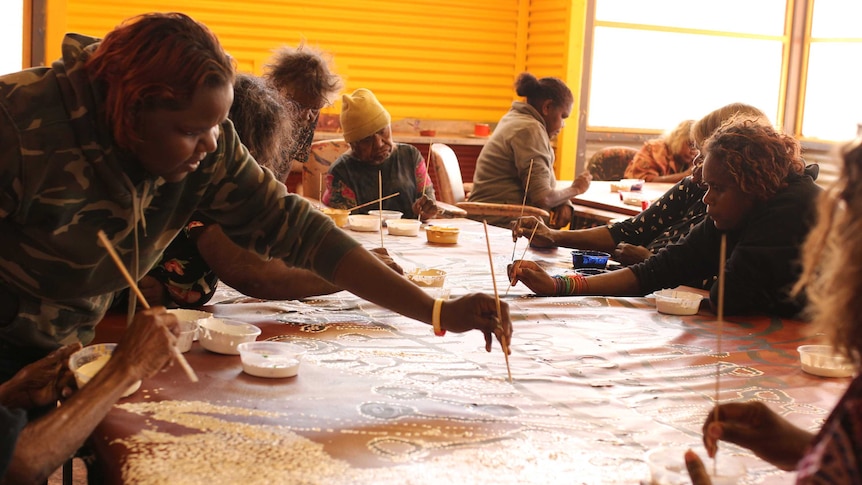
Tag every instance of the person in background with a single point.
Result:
(665, 221)
(353, 178)
(832, 280)
(757, 195)
(191, 267)
(138, 141)
(32, 448)
(665, 159)
(521, 140)
(303, 78)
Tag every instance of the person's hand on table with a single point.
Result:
(543, 237)
(696, 470)
(153, 290)
(425, 207)
(754, 426)
(148, 344)
(582, 182)
(532, 275)
(631, 254)
(383, 255)
(477, 311)
(561, 216)
(41, 383)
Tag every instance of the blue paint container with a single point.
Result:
(582, 258)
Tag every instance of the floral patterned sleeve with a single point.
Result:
(188, 279)
(338, 194)
(423, 180)
(836, 452)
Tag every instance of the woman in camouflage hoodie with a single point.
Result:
(130, 135)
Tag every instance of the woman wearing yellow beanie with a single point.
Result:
(353, 178)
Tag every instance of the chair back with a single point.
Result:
(322, 155)
(445, 163)
(610, 163)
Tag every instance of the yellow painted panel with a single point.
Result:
(434, 59)
(441, 59)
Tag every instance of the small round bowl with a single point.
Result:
(189, 315)
(364, 222)
(442, 234)
(88, 361)
(582, 258)
(223, 336)
(427, 277)
(427, 132)
(667, 466)
(821, 360)
(675, 302)
(270, 359)
(188, 331)
(387, 215)
(404, 227)
(339, 216)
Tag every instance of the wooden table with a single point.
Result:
(601, 204)
(380, 400)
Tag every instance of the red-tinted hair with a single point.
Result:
(155, 60)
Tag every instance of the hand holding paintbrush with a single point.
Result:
(178, 356)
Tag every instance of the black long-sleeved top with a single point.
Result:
(763, 254)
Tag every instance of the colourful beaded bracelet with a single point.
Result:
(570, 284)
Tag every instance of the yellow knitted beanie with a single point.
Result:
(362, 115)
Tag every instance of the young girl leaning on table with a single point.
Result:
(758, 195)
(832, 278)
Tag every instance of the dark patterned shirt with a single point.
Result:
(351, 182)
(666, 221)
(835, 454)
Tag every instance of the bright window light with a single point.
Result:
(763, 17)
(833, 100)
(653, 80)
(11, 36)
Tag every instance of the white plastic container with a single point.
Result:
(667, 467)
(364, 222)
(675, 302)
(270, 359)
(821, 360)
(189, 315)
(188, 331)
(387, 215)
(87, 362)
(404, 227)
(224, 336)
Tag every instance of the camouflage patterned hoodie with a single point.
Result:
(62, 178)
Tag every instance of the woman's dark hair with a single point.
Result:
(155, 60)
(538, 90)
(303, 70)
(758, 157)
(262, 122)
(832, 259)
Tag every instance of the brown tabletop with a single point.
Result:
(380, 400)
(599, 196)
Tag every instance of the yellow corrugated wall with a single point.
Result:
(555, 48)
(430, 59)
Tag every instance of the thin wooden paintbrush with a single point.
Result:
(178, 356)
(503, 342)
